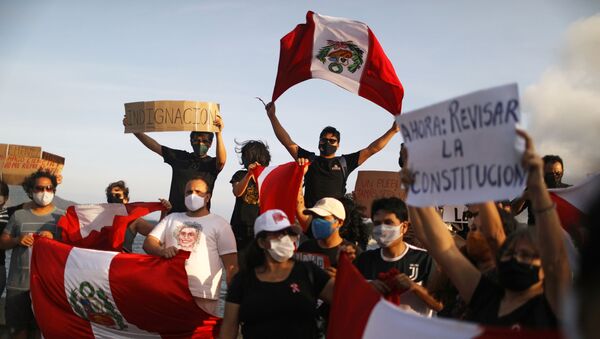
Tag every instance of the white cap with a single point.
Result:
(273, 221)
(328, 206)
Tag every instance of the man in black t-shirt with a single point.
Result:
(390, 220)
(186, 165)
(327, 173)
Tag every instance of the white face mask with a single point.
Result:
(385, 235)
(43, 198)
(282, 249)
(194, 202)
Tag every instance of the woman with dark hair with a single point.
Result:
(532, 266)
(274, 296)
(253, 153)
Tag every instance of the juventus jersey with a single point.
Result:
(414, 262)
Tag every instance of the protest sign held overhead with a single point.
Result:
(17, 162)
(463, 150)
(342, 51)
(170, 115)
(371, 185)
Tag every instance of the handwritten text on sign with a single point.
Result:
(463, 150)
(155, 116)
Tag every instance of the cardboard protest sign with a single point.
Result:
(455, 214)
(17, 162)
(371, 185)
(161, 116)
(463, 150)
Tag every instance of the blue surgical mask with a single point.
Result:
(322, 228)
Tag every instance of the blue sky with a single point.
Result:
(67, 68)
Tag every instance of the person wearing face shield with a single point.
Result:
(40, 217)
(390, 224)
(327, 173)
(186, 165)
(532, 266)
(208, 239)
(274, 296)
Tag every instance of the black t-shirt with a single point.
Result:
(3, 222)
(285, 309)
(325, 177)
(245, 211)
(185, 166)
(415, 263)
(485, 303)
(312, 246)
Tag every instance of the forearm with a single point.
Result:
(7, 242)
(283, 136)
(240, 187)
(437, 237)
(152, 246)
(150, 143)
(376, 145)
(491, 225)
(221, 152)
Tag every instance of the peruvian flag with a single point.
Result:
(572, 203)
(343, 51)
(358, 311)
(278, 187)
(102, 226)
(83, 293)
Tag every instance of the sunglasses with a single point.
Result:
(328, 140)
(48, 188)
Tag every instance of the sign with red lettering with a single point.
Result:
(17, 162)
(371, 185)
(170, 115)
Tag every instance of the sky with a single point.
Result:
(67, 68)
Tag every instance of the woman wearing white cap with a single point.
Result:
(274, 296)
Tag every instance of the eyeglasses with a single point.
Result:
(48, 188)
(525, 257)
(331, 141)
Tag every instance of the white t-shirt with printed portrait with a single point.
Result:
(207, 238)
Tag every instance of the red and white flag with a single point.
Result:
(83, 293)
(358, 311)
(572, 203)
(278, 187)
(102, 226)
(343, 51)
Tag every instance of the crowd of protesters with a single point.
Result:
(499, 272)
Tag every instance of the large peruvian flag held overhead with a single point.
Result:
(83, 293)
(278, 187)
(102, 226)
(343, 51)
(358, 311)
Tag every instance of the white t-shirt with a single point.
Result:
(207, 238)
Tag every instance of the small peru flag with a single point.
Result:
(359, 312)
(102, 226)
(83, 293)
(278, 187)
(342, 51)
(573, 203)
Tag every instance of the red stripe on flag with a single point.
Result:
(295, 55)
(279, 189)
(349, 314)
(379, 82)
(570, 216)
(153, 294)
(53, 313)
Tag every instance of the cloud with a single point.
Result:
(565, 103)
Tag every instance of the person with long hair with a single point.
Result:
(532, 266)
(274, 296)
(252, 153)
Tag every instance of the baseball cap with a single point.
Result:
(272, 221)
(327, 206)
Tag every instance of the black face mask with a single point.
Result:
(551, 180)
(517, 276)
(327, 149)
(114, 199)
